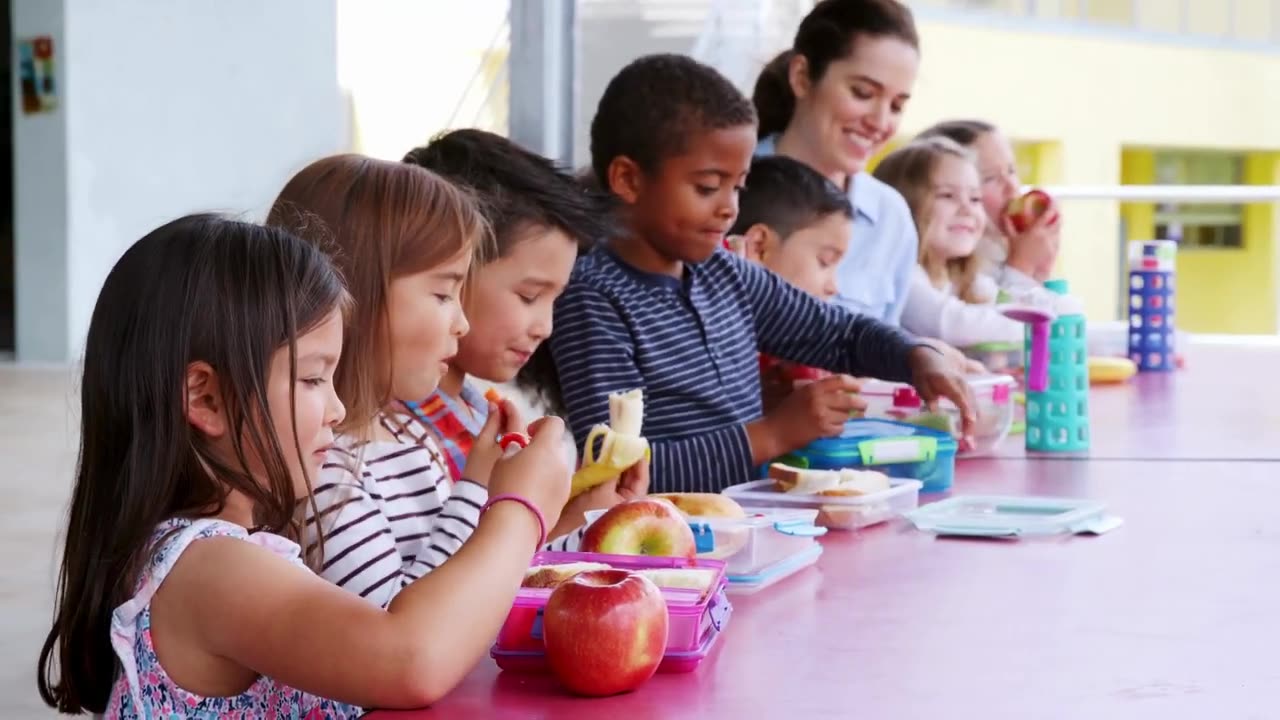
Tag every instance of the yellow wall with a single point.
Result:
(1224, 290)
(1096, 95)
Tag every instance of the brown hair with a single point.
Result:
(909, 170)
(962, 132)
(826, 34)
(380, 220)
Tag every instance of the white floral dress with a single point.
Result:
(145, 690)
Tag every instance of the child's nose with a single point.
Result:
(337, 410)
(460, 325)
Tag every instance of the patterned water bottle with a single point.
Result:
(1058, 416)
(1151, 292)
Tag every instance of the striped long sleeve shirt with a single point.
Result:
(390, 513)
(691, 345)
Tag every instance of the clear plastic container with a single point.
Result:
(749, 584)
(692, 614)
(994, 393)
(835, 512)
(750, 545)
(998, 357)
(673, 662)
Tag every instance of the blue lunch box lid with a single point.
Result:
(883, 442)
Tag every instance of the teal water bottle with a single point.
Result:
(1058, 415)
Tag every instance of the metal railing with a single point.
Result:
(1233, 22)
(1225, 194)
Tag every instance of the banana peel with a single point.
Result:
(621, 444)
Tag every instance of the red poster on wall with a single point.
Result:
(36, 75)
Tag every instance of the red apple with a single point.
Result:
(605, 631)
(1024, 210)
(648, 526)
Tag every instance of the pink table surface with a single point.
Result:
(1173, 615)
(1224, 406)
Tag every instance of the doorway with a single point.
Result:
(8, 280)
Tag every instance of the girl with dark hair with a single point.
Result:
(207, 407)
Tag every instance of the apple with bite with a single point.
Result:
(1024, 210)
(648, 526)
(605, 631)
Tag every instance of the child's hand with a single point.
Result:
(958, 360)
(631, 485)
(484, 449)
(1034, 251)
(539, 472)
(819, 409)
(935, 377)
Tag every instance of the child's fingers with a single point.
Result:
(492, 425)
(511, 419)
(634, 483)
(858, 403)
(546, 430)
(1006, 227)
(839, 384)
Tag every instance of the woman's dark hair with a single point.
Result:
(826, 34)
(380, 220)
(963, 132)
(518, 189)
(199, 289)
(786, 195)
(653, 107)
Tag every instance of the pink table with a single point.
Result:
(1224, 406)
(1172, 616)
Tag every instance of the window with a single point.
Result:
(1200, 225)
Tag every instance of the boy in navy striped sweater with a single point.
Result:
(665, 308)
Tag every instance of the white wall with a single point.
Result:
(172, 107)
(40, 200)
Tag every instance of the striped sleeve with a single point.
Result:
(594, 354)
(569, 542)
(795, 326)
(389, 527)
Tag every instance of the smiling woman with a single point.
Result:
(832, 102)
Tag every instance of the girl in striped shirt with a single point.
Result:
(207, 406)
(540, 216)
(386, 505)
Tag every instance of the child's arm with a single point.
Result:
(362, 541)
(795, 326)
(933, 313)
(240, 602)
(593, 351)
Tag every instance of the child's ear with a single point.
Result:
(798, 76)
(204, 406)
(759, 241)
(626, 179)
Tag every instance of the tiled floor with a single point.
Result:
(37, 458)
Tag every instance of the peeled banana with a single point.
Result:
(621, 444)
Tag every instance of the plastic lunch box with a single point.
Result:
(749, 584)
(835, 512)
(535, 661)
(994, 393)
(693, 617)
(998, 357)
(749, 546)
(895, 448)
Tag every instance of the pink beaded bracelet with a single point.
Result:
(542, 521)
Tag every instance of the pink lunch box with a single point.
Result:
(695, 620)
